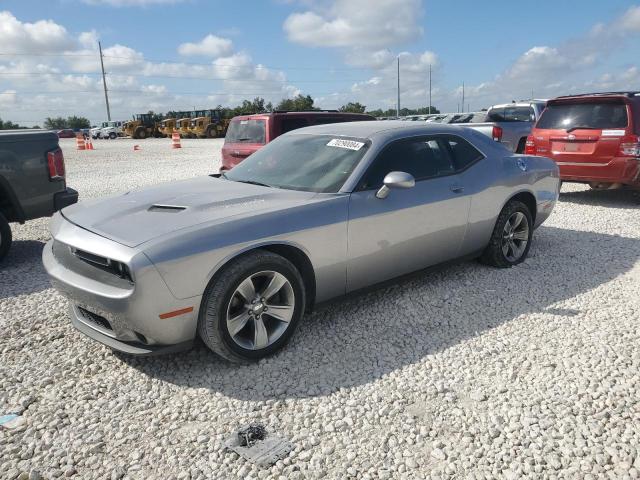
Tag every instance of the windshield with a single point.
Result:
(584, 115)
(246, 131)
(313, 163)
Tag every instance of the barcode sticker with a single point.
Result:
(349, 144)
(613, 133)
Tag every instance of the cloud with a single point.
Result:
(43, 36)
(69, 82)
(209, 46)
(630, 21)
(356, 23)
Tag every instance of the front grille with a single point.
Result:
(95, 319)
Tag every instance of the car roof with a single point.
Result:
(311, 113)
(371, 129)
(528, 103)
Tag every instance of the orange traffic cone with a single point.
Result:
(175, 140)
(136, 148)
(80, 142)
(88, 144)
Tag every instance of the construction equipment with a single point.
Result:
(168, 125)
(183, 124)
(143, 125)
(208, 124)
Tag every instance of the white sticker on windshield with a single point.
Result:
(613, 133)
(244, 122)
(349, 144)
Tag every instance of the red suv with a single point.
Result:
(594, 138)
(248, 133)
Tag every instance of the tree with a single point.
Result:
(78, 122)
(353, 107)
(297, 104)
(59, 123)
(56, 123)
(9, 125)
(403, 112)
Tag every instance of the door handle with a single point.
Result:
(456, 188)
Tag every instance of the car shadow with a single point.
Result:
(359, 339)
(24, 261)
(620, 198)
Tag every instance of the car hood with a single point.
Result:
(137, 217)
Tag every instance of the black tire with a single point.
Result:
(140, 133)
(493, 255)
(211, 132)
(212, 323)
(5, 237)
(521, 145)
(112, 135)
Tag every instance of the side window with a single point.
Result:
(464, 154)
(423, 157)
(289, 124)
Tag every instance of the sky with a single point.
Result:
(165, 55)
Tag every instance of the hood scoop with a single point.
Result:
(166, 208)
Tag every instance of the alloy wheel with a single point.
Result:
(515, 236)
(260, 310)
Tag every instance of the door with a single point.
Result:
(411, 228)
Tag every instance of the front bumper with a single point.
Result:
(132, 348)
(65, 198)
(121, 314)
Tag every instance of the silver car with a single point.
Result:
(322, 211)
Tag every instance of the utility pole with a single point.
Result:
(104, 83)
(429, 88)
(398, 104)
(462, 97)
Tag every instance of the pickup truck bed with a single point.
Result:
(513, 134)
(32, 179)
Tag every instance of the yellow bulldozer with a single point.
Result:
(208, 124)
(143, 125)
(168, 125)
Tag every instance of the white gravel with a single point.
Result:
(466, 372)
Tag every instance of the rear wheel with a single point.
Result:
(251, 309)
(112, 135)
(211, 131)
(5, 237)
(511, 237)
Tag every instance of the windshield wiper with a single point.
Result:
(579, 127)
(253, 182)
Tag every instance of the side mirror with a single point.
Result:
(395, 180)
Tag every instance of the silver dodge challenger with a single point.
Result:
(237, 258)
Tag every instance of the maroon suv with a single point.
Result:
(248, 133)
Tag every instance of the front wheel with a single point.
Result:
(251, 309)
(112, 135)
(511, 237)
(5, 237)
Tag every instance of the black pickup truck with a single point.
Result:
(32, 179)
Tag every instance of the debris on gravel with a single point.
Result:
(462, 372)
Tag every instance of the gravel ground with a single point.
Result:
(465, 372)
